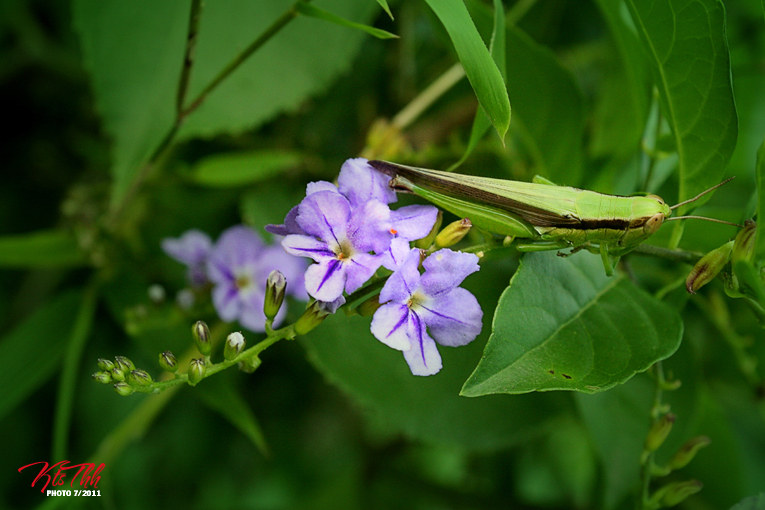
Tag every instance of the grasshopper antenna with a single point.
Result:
(713, 220)
(726, 181)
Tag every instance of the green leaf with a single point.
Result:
(31, 353)
(427, 408)
(314, 12)
(134, 53)
(759, 247)
(242, 168)
(481, 71)
(623, 99)
(384, 5)
(563, 325)
(219, 394)
(301, 60)
(688, 51)
(752, 502)
(548, 114)
(42, 248)
(481, 122)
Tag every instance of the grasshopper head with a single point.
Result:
(656, 219)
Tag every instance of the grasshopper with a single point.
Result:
(540, 215)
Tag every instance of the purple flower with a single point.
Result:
(415, 304)
(408, 223)
(238, 268)
(340, 238)
(191, 249)
(361, 183)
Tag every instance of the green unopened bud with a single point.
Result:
(427, 241)
(118, 374)
(687, 452)
(276, 284)
(234, 345)
(743, 245)
(202, 337)
(124, 364)
(708, 267)
(123, 388)
(102, 377)
(675, 493)
(249, 365)
(139, 378)
(197, 369)
(453, 233)
(369, 306)
(105, 365)
(167, 361)
(314, 314)
(659, 432)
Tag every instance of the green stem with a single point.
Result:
(272, 30)
(518, 11)
(428, 96)
(188, 60)
(70, 368)
(675, 255)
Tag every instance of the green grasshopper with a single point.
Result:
(541, 215)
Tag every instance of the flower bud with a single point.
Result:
(453, 233)
(312, 317)
(105, 365)
(167, 361)
(197, 369)
(707, 268)
(124, 364)
(249, 365)
(427, 241)
(659, 432)
(687, 452)
(369, 306)
(675, 493)
(123, 388)
(202, 337)
(118, 374)
(139, 378)
(102, 377)
(743, 245)
(276, 284)
(234, 345)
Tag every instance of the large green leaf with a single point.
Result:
(134, 52)
(301, 60)
(428, 408)
(42, 248)
(688, 51)
(481, 71)
(241, 168)
(31, 353)
(548, 109)
(563, 325)
(751, 503)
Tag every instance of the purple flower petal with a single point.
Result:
(226, 301)
(236, 248)
(402, 284)
(396, 254)
(325, 281)
(361, 183)
(315, 187)
(290, 225)
(391, 325)
(192, 247)
(325, 215)
(251, 314)
(359, 269)
(414, 222)
(453, 317)
(445, 269)
(305, 246)
(423, 358)
(369, 227)
(332, 306)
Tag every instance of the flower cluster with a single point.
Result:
(349, 231)
(237, 267)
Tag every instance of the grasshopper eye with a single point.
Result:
(654, 222)
(657, 198)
